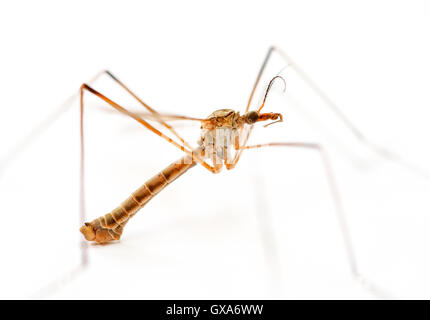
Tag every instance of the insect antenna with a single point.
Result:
(268, 89)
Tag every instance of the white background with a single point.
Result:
(264, 230)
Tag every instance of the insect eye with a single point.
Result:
(251, 117)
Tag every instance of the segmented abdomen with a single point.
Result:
(110, 226)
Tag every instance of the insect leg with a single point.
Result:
(195, 157)
(238, 152)
(334, 191)
(378, 149)
(39, 129)
(136, 117)
(153, 111)
(340, 213)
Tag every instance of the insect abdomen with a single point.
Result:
(110, 226)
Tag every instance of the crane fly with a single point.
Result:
(220, 132)
(223, 138)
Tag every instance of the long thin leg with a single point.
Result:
(58, 283)
(340, 213)
(50, 119)
(37, 130)
(154, 112)
(26, 142)
(82, 157)
(259, 75)
(380, 150)
(238, 153)
(142, 122)
(334, 191)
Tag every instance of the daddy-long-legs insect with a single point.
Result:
(211, 153)
(223, 130)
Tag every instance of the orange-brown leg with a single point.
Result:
(153, 111)
(142, 122)
(378, 149)
(312, 85)
(259, 75)
(133, 115)
(334, 191)
(239, 151)
(38, 129)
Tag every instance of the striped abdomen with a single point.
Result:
(110, 226)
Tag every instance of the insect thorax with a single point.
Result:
(219, 134)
